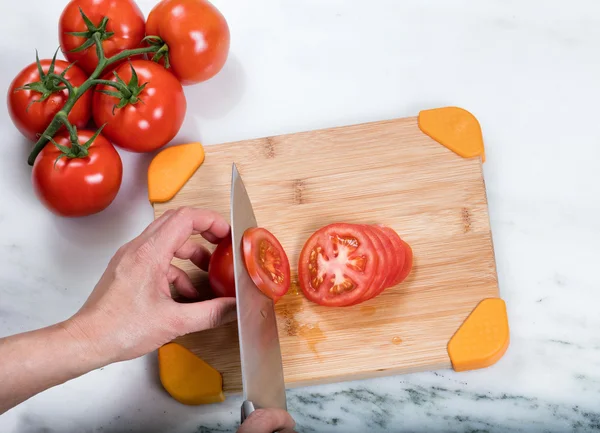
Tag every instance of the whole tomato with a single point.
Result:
(152, 111)
(78, 186)
(220, 270)
(125, 21)
(32, 117)
(197, 35)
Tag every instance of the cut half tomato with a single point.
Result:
(337, 265)
(266, 262)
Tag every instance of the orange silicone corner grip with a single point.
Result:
(171, 169)
(455, 128)
(483, 337)
(187, 378)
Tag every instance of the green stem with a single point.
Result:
(103, 62)
(120, 87)
(66, 82)
(64, 119)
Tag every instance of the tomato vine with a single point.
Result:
(96, 35)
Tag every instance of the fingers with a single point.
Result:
(179, 226)
(195, 253)
(182, 283)
(267, 420)
(206, 315)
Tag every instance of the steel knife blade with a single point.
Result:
(260, 353)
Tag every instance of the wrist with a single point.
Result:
(84, 337)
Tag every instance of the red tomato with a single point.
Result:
(266, 262)
(399, 252)
(125, 20)
(337, 265)
(151, 121)
(381, 274)
(33, 118)
(197, 35)
(408, 262)
(78, 186)
(220, 270)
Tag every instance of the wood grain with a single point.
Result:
(385, 172)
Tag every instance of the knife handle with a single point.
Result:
(247, 409)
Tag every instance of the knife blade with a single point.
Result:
(260, 353)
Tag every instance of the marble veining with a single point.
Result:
(527, 70)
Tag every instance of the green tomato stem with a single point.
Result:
(76, 92)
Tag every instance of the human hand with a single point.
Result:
(268, 421)
(130, 311)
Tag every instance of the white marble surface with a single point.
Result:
(529, 70)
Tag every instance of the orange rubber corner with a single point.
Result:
(171, 169)
(188, 378)
(455, 128)
(483, 337)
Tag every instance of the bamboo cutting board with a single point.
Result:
(387, 172)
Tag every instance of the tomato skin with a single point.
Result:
(220, 270)
(197, 35)
(146, 125)
(399, 251)
(326, 238)
(79, 186)
(35, 119)
(124, 19)
(408, 262)
(264, 257)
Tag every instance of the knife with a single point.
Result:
(260, 354)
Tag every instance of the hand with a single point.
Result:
(131, 311)
(268, 421)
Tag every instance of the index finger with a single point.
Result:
(185, 222)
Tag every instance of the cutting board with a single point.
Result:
(388, 172)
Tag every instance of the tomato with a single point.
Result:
(125, 21)
(266, 262)
(408, 262)
(33, 118)
(337, 265)
(382, 272)
(197, 35)
(220, 270)
(149, 120)
(78, 186)
(399, 253)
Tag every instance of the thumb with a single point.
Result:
(199, 316)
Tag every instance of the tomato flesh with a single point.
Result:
(266, 262)
(337, 265)
(220, 270)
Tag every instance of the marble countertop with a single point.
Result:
(530, 72)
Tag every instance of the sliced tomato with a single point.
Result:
(337, 265)
(266, 262)
(378, 283)
(399, 252)
(408, 263)
(390, 270)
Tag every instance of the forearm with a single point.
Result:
(34, 361)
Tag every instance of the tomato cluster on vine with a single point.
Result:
(127, 75)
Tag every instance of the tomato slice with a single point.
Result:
(337, 265)
(378, 283)
(266, 262)
(392, 259)
(408, 263)
(399, 252)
